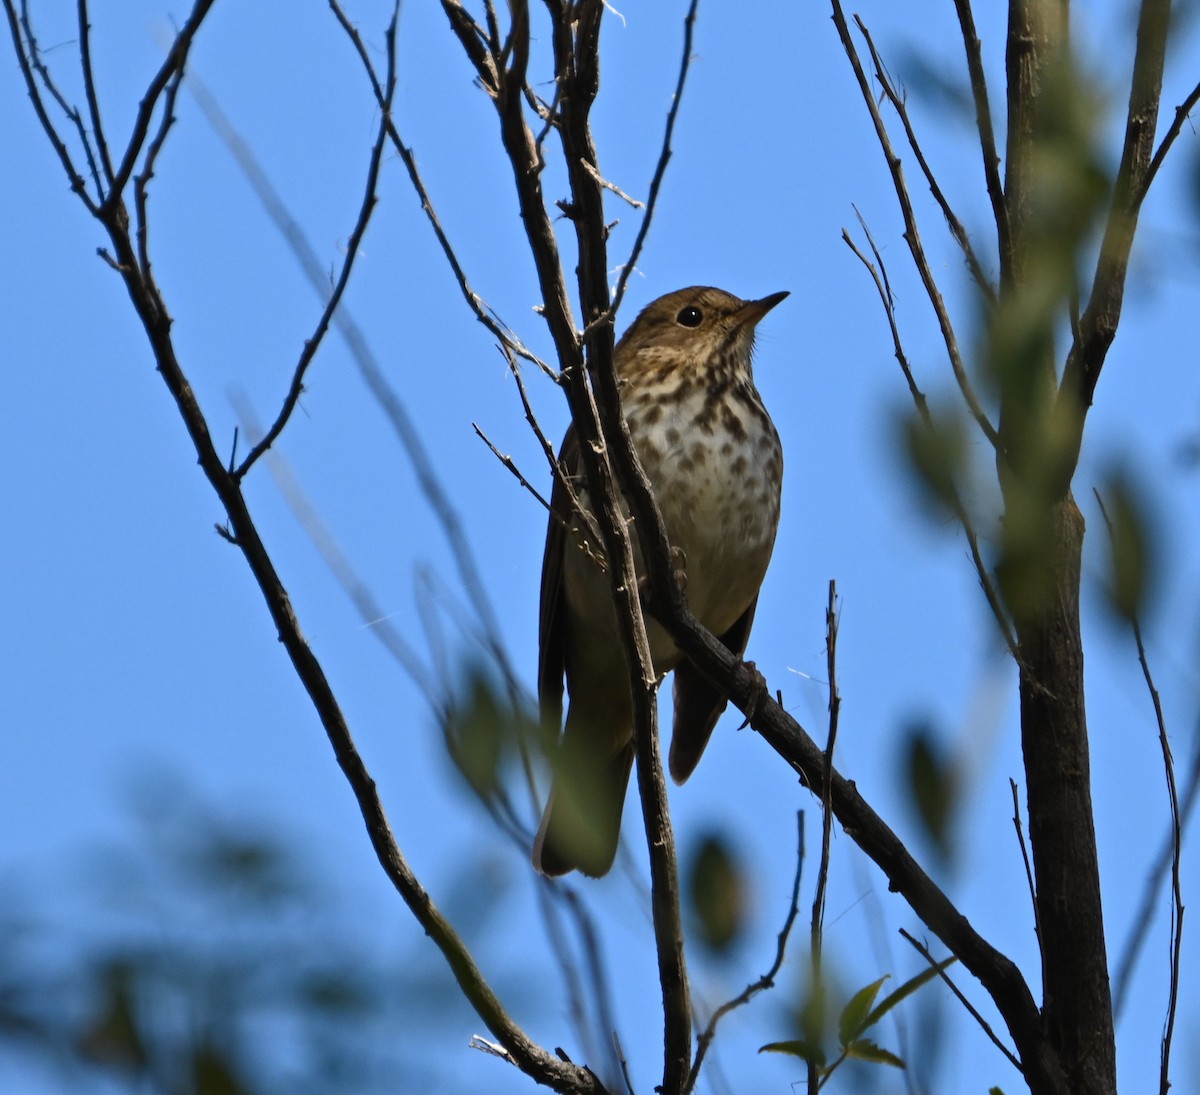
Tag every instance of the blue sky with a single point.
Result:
(134, 641)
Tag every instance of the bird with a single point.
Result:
(715, 465)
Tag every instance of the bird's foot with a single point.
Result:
(758, 693)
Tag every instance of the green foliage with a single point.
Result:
(481, 730)
(1131, 545)
(858, 1015)
(203, 935)
(716, 889)
(933, 785)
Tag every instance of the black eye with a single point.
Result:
(690, 317)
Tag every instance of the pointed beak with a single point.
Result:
(753, 310)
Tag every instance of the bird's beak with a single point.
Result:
(753, 310)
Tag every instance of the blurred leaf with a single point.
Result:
(212, 1074)
(995, 1091)
(864, 1050)
(476, 732)
(932, 784)
(797, 1047)
(1130, 538)
(717, 891)
(853, 1020)
(907, 989)
(112, 1036)
(937, 455)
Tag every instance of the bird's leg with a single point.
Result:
(758, 692)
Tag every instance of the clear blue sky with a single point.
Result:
(134, 641)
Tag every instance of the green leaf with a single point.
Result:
(1131, 542)
(797, 1047)
(716, 887)
(865, 1050)
(933, 784)
(995, 1091)
(907, 989)
(853, 1020)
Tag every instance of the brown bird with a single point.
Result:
(713, 458)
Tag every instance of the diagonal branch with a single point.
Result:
(767, 980)
(175, 62)
(878, 273)
(1176, 925)
(1098, 324)
(33, 69)
(987, 133)
(911, 233)
(664, 157)
(89, 89)
(957, 228)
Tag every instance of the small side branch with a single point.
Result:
(664, 157)
(986, 130)
(923, 951)
(878, 272)
(957, 228)
(767, 980)
(911, 233)
(1176, 926)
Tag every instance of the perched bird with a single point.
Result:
(713, 459)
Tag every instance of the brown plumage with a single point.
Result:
(713, 457)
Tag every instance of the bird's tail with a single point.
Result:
(582, 823)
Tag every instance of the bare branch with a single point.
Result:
(483, 312)
(1098, 325)
(33, 69)
(878, 272)
(370, 199)
(1176, 127)
(507, 461)
(1176, 926)
(89, 90)
(971, 1009)
(987, 132)
(767, 980)
(1037, 916)
(957, 229)
(911, 234)
(664, 157)
(175, 62)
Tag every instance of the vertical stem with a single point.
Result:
(1076, 1007)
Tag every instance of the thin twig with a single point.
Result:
(911, 233)
(33, 69)
(971, 1010)
(986, 130)
(878, 272)
(1173, 130)
(818, 906)
(483, 312)
(357, 234)
(957, 228)
(175, 62)
(664, 156)
(1163, 862)
(90, 90)
(556, 467)
(1037, 919)
(767, 980)
(508, 462)
(611, 186)
(1176, 926)
(141, 182)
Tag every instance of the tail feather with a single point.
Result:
(582, 823)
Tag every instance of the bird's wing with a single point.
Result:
(699, 703)
(552, 628)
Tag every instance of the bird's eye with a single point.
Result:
(690, 317)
